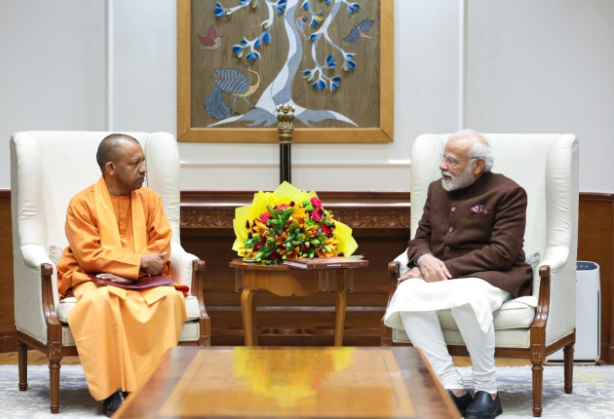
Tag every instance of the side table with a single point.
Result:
(285, 281)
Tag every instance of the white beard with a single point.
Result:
(464, 180)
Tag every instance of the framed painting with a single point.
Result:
(237, 60)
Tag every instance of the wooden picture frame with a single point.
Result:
(188, 130)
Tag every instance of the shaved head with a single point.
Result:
(110, 148)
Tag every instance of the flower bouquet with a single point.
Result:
(289, 224)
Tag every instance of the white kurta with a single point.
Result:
(419, 295)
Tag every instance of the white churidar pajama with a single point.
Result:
(414, 308)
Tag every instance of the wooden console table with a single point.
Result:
(284, 281)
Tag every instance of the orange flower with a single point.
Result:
(299, 215)
(331, 243)
(259, 227)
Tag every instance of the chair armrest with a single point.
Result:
(555, 258)
(54, 326)
(403, 261)
(538, 328)
(188, 269)
(182, 265)
(35, 255)
(394, 268)
(198, 286)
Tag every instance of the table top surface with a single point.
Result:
(254, 266)
(284, 382)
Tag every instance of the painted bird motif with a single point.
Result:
(300, 25)
(211, 41)
(358, 31)
(233, 82)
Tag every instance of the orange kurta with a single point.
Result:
(120, 334)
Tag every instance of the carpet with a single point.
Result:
(592, 397)
(593, 394)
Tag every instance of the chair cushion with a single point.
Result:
(511, 338)
(513, 314)
(512, 322)
(191, 307)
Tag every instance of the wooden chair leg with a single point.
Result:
(568, 352)
(22, 361)
(55, 357)
(538, 380)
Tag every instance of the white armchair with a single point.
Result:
(533, 327)
(47, 169)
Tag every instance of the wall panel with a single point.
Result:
(380, 221)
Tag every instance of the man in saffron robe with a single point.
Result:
(118, 231)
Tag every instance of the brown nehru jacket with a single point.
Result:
(478, 232)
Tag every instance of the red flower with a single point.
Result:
(316, 202)
(316, 214)
(275, 256)
(326, 229)
(265, 216)
(260, 243)
(282, 207)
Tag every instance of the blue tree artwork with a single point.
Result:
(306, 24)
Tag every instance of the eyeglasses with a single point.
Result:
(452, 161)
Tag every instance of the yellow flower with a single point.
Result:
(311, 231)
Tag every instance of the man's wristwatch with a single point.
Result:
(417, 259)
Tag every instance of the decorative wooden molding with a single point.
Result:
(374, 219)
(215, 209)
(206, 218)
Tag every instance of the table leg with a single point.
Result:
(339, 317)
(249, 317)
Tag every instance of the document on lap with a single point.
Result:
(150, 282)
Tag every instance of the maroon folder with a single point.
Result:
(335, 262)
(151, 282)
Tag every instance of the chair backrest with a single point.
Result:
(48, 168)
(545, 165)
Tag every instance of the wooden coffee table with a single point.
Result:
(325, 382)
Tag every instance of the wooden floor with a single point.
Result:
(38, 358)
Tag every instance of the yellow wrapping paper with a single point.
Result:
(284, 194)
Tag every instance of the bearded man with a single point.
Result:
(119, 232)
(466, 256)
